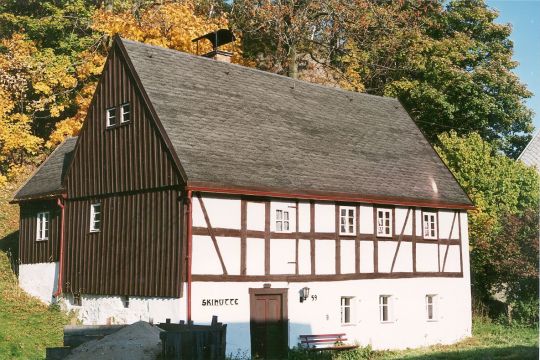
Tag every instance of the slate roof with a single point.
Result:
(47, 179)
(240, 127)
(531, 154)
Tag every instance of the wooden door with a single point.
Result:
(269, 323)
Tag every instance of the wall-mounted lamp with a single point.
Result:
(304, 293)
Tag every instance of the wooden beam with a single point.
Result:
(211, 232)
(399, 240)
(243, 236)
(448, 245)
(267, 237)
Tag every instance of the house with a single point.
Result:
(198, 188)
(531, 154)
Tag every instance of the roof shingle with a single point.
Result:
(47, 179)
(236, 126)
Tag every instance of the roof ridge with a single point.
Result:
(533, 138)
(266, 73)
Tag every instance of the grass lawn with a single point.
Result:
(489, 342)
(27, 326)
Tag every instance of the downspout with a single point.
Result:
(60, 202)
(189, 253)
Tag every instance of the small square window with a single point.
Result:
(125, 113)
(430, 225)
(385, 308)
(95, 217)
(42, 227)
(431, 307)
(111, 117)
(283, 223)
(347, 310)
(384, 222)
(347, 220)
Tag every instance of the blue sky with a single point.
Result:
(524, 15)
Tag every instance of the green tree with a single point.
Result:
(505, 192)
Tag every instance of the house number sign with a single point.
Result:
(219, 302)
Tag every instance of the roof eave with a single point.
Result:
(36, 197)
(324, 196)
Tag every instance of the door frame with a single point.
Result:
(284, 311)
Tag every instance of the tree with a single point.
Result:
(505, 193)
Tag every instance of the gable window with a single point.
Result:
(125, 114)
(95, 217)
(346, 310)
(347, 220)
(111, 116)
(42, 226)
(431, 307)
(385, 308)
(283, 223)
(430, 226)
(384, 222)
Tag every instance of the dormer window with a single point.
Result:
(111, 117)
(125, 114)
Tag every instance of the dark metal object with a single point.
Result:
(197, 342)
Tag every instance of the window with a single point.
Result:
(430, 226)
(283, 221)
(95, 217)
(42, 226)
(384, 222)
(347, 220)
(346, 310)
(385, 308)
(125, 113)
(111, 117)
(77, 299)
(431, 307)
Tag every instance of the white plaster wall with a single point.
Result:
(204, 255)
(427, 257)
(304, 216)
(366, 219)
(100, 310)
(304, 257)
(386, 251)
(255, 260)
(404, 261)
(401, 215)
(325, 257)
(223, 213)
(230, 252)
(282, 256)
(39, 280)
(325, 218)
(452, 259)
(366, 257)
(255, 216)
(348, 257)
(410, 328)
(419, 222)
(286, 205)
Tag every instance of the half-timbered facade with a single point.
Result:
(200, 188)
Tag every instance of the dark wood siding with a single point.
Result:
(137, 252)
(127, 157)
(32, 251)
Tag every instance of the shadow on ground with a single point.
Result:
(507, 353)
(10, 245)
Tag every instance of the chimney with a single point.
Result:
(217, 38)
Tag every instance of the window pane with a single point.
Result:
(279, 214)
(286, 225)
(343, 212)
(279, 226)
(351, 228)
(286, 215)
